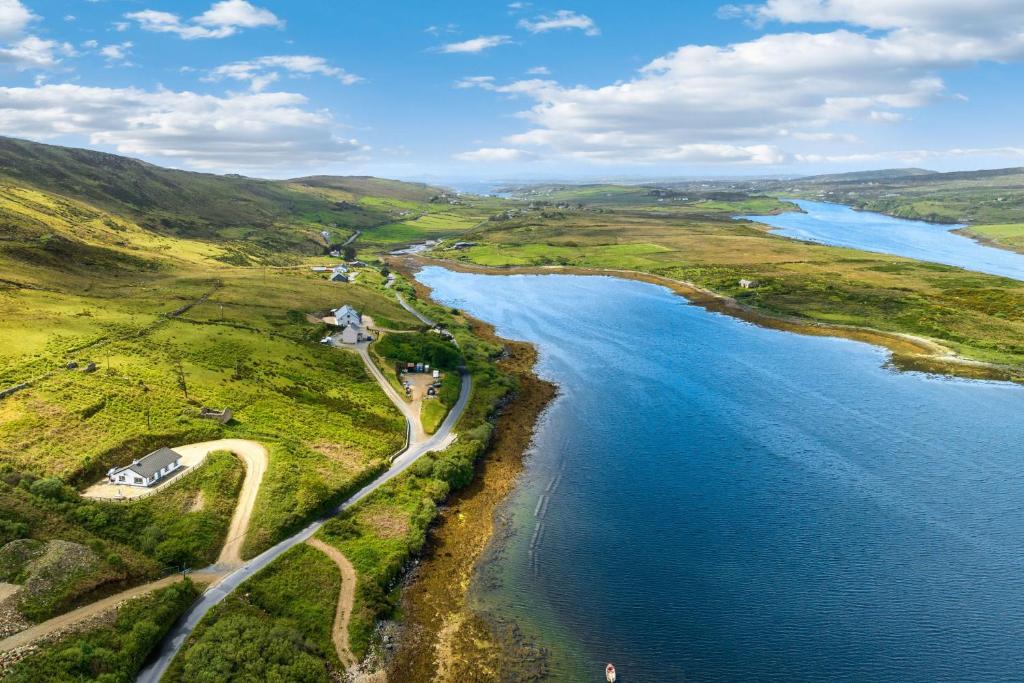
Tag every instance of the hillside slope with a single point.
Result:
(271, 216)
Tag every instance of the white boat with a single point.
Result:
(609, 673)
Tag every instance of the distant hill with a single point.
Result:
(363, 186)
(197, 205)
(882, 174)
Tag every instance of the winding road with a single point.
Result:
(180, 632)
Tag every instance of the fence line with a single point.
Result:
(159, 487)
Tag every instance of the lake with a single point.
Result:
(841, 226)
(709, 500)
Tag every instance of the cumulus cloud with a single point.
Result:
(32, 52)
(562, 19)
(117, 52)
(494, 155)
(221, 20)
(741, 102)
(539, 71)
(265, 70)
(474, 45)
(249, 131)
(14, 18)
(953, 16)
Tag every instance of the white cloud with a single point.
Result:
(32, 52)
(14, 18)
(475, 45)
(438, 30)
(742, 101)
(264, 70)
(887, 116)
(482, 82)
(494, 155)
(913, 156)
(117, 52)
(70, 17)
(223, 19)
(953, 16)
(250, 131)
(562, 19)
(89, 44)
(539, 71)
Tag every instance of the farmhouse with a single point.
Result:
(748, 284)
(346, 315)
(148, 470)
(339, 277)
(353, 334)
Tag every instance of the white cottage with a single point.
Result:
(347, 316)
(353, 334)
(148, 470)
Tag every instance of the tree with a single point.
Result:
(348, 252)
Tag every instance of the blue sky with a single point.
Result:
(462, 90)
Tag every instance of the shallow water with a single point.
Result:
(841, 226)
(713, 501)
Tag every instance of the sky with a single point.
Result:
(527, 90)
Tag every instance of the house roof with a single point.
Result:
(346, 310)
(151, 464)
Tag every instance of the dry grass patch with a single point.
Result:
(386, 523)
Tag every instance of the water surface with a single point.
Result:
(709, 500)
(841, 226)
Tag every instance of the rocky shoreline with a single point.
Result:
(443, 637)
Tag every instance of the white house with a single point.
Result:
(353, 334)
(148, 470)
(347, 316)
(748, 284)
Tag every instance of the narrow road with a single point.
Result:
(346, 597)
(41, 630)
(405, 304)
(180, 632)
(411, 412)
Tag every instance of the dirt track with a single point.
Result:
(346, 597)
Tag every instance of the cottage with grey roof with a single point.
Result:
(346, 316)
(148, 470)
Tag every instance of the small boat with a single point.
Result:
(609, 673)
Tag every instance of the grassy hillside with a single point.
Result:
(172, 323)
(267, 216)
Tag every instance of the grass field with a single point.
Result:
(1008, 235)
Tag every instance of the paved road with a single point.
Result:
(177, 636)
(405, 304)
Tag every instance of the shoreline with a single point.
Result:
(442, 635)
(907, 352)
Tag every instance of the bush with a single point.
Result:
(111, 653)
(420, 348)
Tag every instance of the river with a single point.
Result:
(842, 226)
(709, 500)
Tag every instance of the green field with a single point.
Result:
(1007, 236)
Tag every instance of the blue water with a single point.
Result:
(841, 226)
(708, 500)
